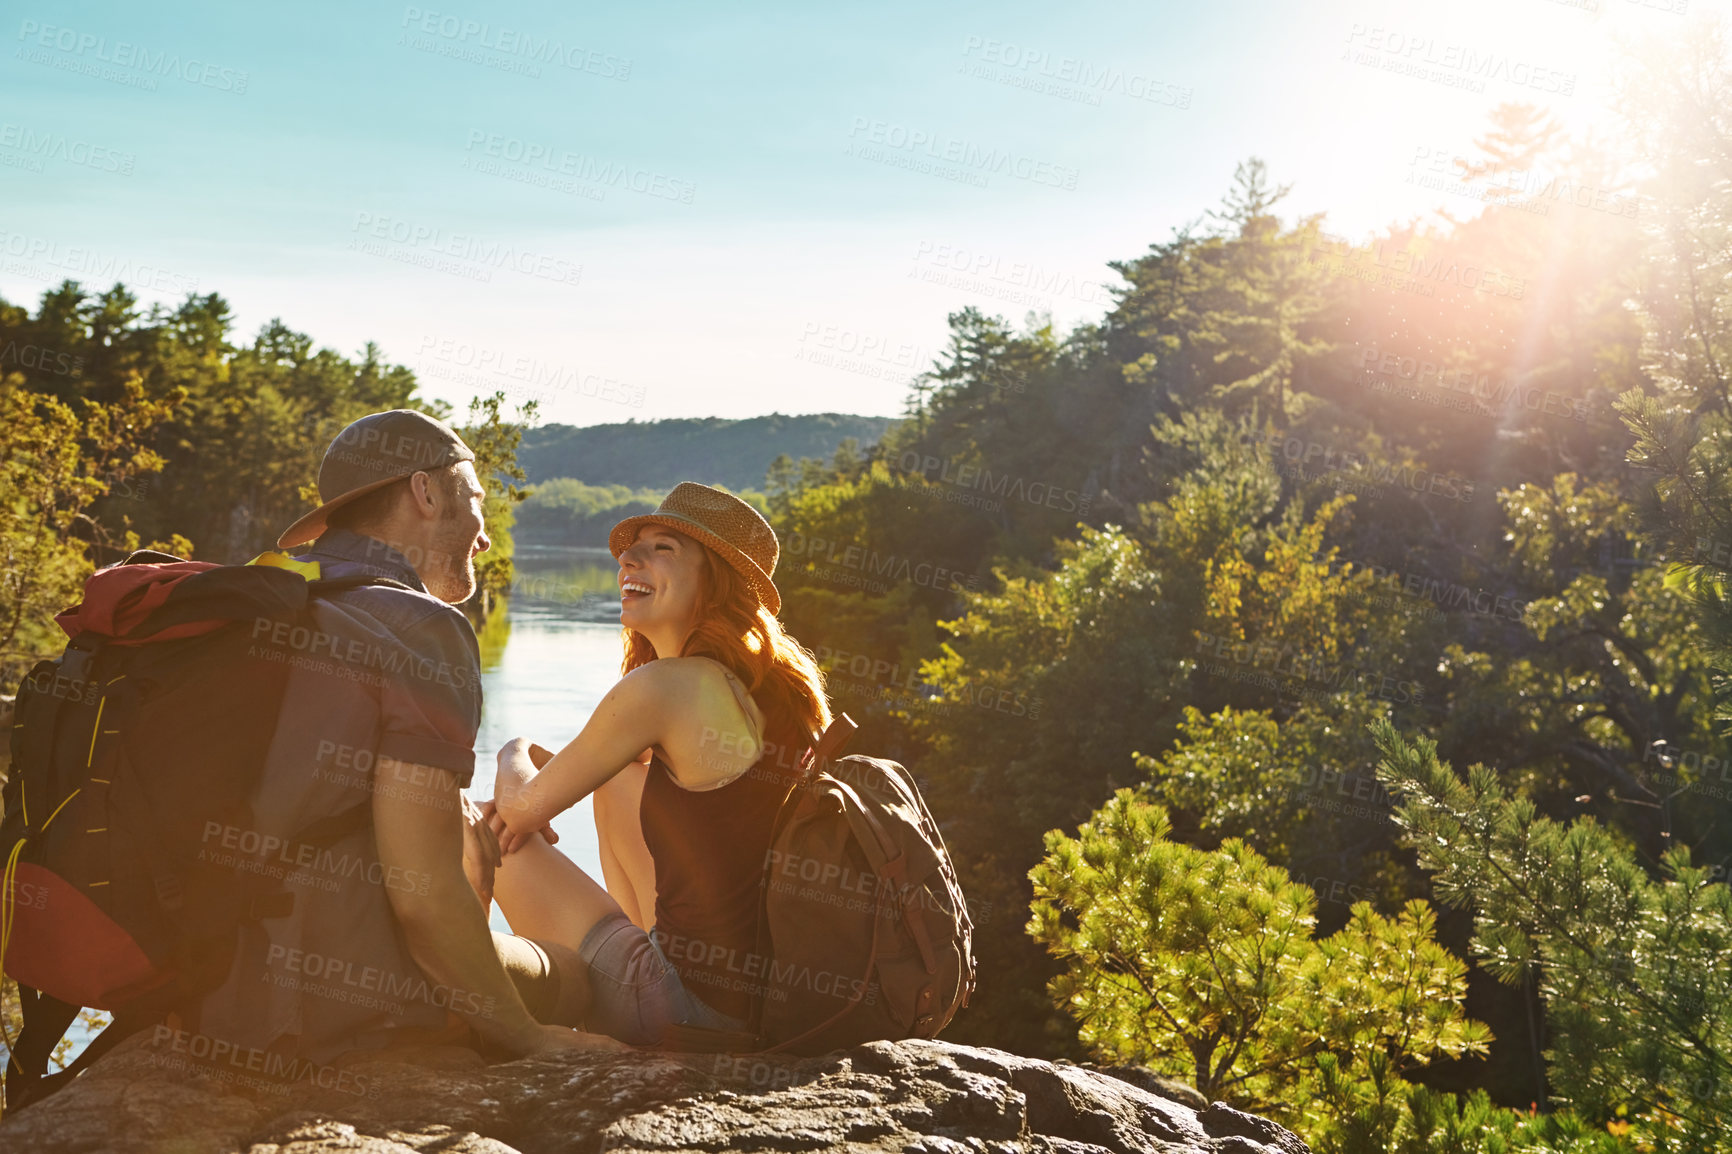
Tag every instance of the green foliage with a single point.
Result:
(1187, 609)
(1187, 961)
(226, 440)
(567, 511)
(494, 441)
(1221, 596)
(1688, 512)
(1237, 773)
(244, 442)
(56, 462)
(1230, 316)
(1202, 964)
(1377, 1116)
(1632, 968)
(1600, 660)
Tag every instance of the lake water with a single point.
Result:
(545, 664)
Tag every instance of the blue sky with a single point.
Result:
(664, 210)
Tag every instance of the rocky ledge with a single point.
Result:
(931, 1097)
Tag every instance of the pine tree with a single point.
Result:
(1633, 969)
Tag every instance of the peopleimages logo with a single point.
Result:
(375, 231)
(1076, 78)
(86, 263)
(1501, 185)
(496, 366)
(1005, 485)
(512, 42)
(821, 552)
(1421, 269)
(1287, 664)
(1044, 284)
(45, 145)
(88, 46)
(1354, 469)
(579, 166)
(1463, 65)
(1505, 392)
(41, 359)
(971, 158)
(345, 977)
(277, 1070)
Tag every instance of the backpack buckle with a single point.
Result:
(79, 651)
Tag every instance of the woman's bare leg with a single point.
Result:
(544, 895)
(553, 904)
(626, 864)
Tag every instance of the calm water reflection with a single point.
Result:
(545, 664)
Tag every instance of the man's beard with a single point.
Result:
(452, 578)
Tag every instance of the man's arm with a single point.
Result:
(430, 710)
(419, 832)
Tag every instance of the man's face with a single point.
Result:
(461, 534)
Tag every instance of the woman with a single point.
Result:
(689, 757)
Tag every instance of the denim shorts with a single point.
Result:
(634, 991)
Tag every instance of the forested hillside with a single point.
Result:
(715, 451)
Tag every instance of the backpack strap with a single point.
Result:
(45, 1021)
(840, 732)
(326, 586)
(893, 870)
(837, 735)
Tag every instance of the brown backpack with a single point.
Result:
(862, 933)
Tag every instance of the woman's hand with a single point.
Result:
(510, 843)
(519, 761)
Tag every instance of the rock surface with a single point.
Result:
(919, 1096)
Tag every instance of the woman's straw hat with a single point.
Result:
(736, 532)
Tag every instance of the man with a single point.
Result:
(387, 942)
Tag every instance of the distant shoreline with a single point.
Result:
(522, 547)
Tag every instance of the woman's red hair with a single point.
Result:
(736, 629)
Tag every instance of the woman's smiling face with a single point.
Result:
(661, 586)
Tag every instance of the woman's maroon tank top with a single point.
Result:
(709, 848)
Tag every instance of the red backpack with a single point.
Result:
(155, 721)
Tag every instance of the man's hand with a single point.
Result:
(481, 853)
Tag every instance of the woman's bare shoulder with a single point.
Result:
(692, 670)
(691, 682)
(717, 708)
(697, 683)
(671, 672)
